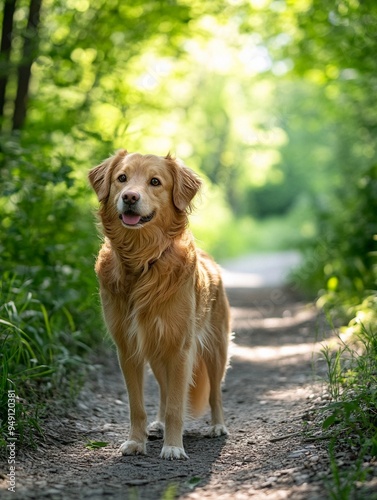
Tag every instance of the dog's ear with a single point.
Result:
(100, 176)
(186, 185)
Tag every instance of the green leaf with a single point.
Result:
(329, 421)
(94, 445)
(193, 482)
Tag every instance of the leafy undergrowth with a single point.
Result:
(41, 356)
(349, 421)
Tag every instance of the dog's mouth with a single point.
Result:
(132, 219)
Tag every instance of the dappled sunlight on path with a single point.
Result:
(273, 353)
(246, 320)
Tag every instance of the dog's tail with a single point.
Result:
(199, 389)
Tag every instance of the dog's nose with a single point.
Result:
(130, 197)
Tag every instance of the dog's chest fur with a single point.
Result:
(155, 320)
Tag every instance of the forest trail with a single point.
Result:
(269, 391)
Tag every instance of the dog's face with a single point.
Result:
(142, 190)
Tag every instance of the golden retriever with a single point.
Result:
(163, 299)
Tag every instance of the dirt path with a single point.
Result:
(268, 392)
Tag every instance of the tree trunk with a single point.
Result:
(5, 49)
(24, 69)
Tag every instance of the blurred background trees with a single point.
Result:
(272, 102)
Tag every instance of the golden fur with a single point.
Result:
(163, 299)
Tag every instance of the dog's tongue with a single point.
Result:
(131, 219)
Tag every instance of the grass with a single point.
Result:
(39, 350)
(351, 417)
(344, 480)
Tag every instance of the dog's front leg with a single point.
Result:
(157, 427)
(177, 371)
(133, 371)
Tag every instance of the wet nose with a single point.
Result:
(130, 197)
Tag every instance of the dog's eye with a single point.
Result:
(122, 178)
(155, 182)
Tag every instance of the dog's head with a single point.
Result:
(143, 189)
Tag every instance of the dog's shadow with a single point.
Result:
(151, 477)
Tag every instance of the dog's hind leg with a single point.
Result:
(216, 361)
(215, 400)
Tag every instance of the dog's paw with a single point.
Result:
(173, 453)
(155, 430)
(218, 430)
(133, 448)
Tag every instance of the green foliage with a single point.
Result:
(352, 416)
(193, 482)
(40, 349)
(46, 227)
(348, 242)
(95, 445)
(224, 235)
(48, 285)
(170, 493)
(344, 480)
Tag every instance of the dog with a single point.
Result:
(162, 298)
